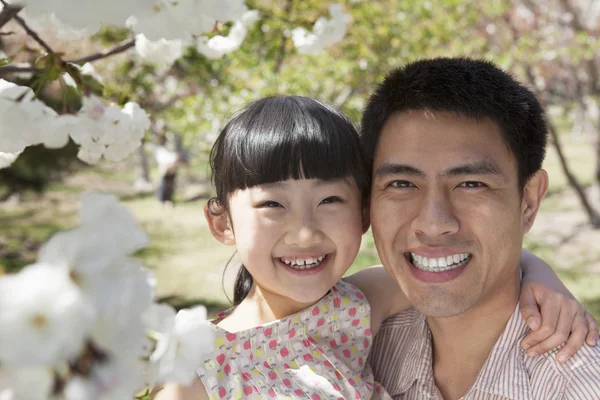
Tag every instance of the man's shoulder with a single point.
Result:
(586, 359)
(578, 378)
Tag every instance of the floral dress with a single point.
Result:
(318, 353)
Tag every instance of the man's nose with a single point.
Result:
(304, 232)
(436, 216)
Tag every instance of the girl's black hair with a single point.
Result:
(280, 138)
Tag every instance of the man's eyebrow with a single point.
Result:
(474, 168)
(397, 169)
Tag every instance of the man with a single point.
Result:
(455, 147)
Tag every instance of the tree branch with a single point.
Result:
(17, 68)
(578, 26)
(280, 55)
(8, 12)
(593, 215)
(124, 46)
(157, 107)
(33, 34)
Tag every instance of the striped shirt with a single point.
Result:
(402, 361)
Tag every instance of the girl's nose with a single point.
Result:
(306, 233)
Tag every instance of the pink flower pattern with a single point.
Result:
(318, 353)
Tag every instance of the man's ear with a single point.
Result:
(218, 222)
(533, 193)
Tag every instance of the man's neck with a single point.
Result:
(462, 344)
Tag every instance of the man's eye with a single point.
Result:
(268, 204)
(401, 184)
(472, 185)
(331, 199)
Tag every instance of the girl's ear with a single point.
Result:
(366, 218)
(218, 222)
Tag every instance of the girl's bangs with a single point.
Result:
(302, 141)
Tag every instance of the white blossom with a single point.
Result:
(218, 46)
(161, 52)
(117, 379)
(48, 25)
(107, 131)
(325, 33)
(44, 317)
(6, 159)
(22, 117)
(120, 379)
(184, 19)
(182, 340)
(79, 388)
(32, 383)
(89, 15)
(94, 254)
(119, 329)
(89, 69)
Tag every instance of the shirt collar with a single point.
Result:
(503, 373)
(417, 364)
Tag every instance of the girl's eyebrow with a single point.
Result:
(323, 182)
(272, 185)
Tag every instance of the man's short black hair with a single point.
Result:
(475, 89)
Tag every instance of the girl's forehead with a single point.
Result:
(312, 182)
(303, 183)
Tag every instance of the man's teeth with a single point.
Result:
(303, 263)
(439, 264)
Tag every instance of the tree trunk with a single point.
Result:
(598, 156)
(593, 215)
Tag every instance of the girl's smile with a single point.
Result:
(305, 265)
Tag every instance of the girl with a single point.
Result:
(291, 190)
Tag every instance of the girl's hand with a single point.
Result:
(560, 317)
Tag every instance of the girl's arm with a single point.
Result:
(552, 312)
(561, 319)
(383, 293)
(195, 391)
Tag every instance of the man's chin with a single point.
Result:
(437, 304)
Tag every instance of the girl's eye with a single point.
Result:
(401, 184)
(331, 199)
(269, 204)
(472, 185)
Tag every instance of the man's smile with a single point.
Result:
(437, 268)
(439, 264)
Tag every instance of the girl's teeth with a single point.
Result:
(306, 263)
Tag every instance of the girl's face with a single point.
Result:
(298, 237)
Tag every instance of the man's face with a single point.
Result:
(446, 212)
